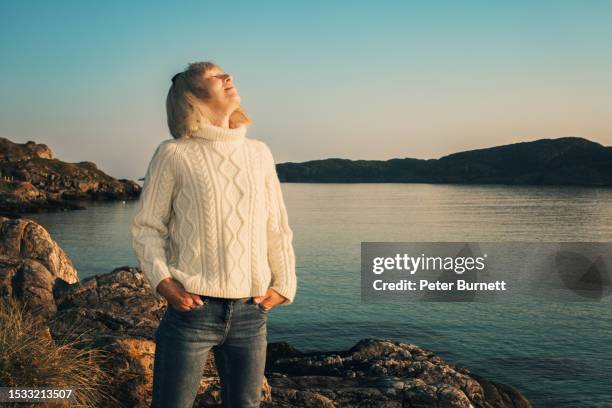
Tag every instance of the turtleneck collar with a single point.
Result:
(219, 134)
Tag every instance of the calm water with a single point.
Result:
(557, 354)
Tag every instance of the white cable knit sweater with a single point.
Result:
(211, 215)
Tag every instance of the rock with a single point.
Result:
(25, 191)
(501, 395)
(117, 312)
(32, 180)
(32, 265)
(10, 151)
(106, 305)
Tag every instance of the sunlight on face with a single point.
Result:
(222, 94)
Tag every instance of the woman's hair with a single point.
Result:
(184, 103)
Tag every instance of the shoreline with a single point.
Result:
(117, 312)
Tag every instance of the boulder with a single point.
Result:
(32, 265)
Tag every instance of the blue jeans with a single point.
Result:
(237, 327)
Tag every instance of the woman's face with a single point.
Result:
(222, 94)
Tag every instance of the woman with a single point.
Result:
(211, 235)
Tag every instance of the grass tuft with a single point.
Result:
(30, 357)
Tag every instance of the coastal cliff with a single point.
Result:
(33, 180)
(117, 313)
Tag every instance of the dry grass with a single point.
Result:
(29, 357)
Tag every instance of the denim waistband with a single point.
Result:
(226, 300)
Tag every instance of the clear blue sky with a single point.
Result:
(359, 80)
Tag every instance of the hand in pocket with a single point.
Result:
(177, 297)
(187, 302)
(271, 299)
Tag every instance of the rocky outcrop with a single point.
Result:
(381, 373)
(14, 152)
(118, 313)
(32, 179)
(32, 265)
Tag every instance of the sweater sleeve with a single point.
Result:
(281, 256)
(149, 226)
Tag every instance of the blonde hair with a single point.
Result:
(185, 113)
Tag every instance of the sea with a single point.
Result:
(557, 353)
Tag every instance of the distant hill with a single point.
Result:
(32, 179)
(561, 161)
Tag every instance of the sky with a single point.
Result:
(350, 79)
